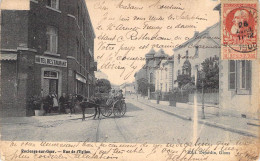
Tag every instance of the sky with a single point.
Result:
(124, 29)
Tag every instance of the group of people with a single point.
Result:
(52, 103)
(114, 96)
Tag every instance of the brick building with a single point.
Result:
(49, 48)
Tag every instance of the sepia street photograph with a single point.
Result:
(129, 71)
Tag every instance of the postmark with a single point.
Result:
(239, 31)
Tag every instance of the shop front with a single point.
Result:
(52, 74)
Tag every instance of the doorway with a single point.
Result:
(50, 83)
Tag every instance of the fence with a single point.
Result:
(181, 96)
(211, 96)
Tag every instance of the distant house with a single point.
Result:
(148, 71)
(189, 55)
(164, 75)
(128, 88)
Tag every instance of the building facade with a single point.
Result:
(164, 75)
(239, 86)
(47, 49)
(189, 55)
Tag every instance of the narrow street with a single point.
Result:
(140, 124)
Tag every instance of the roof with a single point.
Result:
(150, 54)
(160, 54)
(8, 57)
(194, 37)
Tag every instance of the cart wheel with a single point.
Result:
(119, 109)
(106, 111)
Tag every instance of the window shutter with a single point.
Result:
(232, 74)
(248, 75)
(243, 66)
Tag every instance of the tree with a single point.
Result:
(210, 67)
(143, 86)
(103, 85)
(183, 80)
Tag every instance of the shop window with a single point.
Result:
(52, 39)
(53, 4)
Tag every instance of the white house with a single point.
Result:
(189, 55)
(164, 75)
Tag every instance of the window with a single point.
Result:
(179, 58)
(187, 54)
(232, 74)
(151, 77)
(179, 72)
(196, 51)
(78, 51)
(244, 76)
(240, 76)
(78, 14)
(53, 4)
(52, 39)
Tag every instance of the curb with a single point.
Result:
(212, 124)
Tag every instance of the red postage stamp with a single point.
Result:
(239, 31)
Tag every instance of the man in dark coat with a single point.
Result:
(48, 103)
(63, 102)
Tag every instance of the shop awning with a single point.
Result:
(81, 78)
(8, 56)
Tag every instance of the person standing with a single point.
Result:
(55, 102)
(70, 103)
(48, 103)
(63, 102)
(110, 100)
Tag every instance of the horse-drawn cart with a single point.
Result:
(99, 103)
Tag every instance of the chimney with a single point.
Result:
(196, 33)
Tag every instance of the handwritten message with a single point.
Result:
(240, 150)
(127, 30)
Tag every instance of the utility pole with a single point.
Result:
(202, 107)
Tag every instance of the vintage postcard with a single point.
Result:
(129, 80)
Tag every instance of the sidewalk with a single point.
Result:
(38, 119)
(185, 111)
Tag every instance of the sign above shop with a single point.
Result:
(81, 78)
(50, 74)
(50, 61)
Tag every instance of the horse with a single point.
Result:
(88, 103)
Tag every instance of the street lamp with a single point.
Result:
(203, 75)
